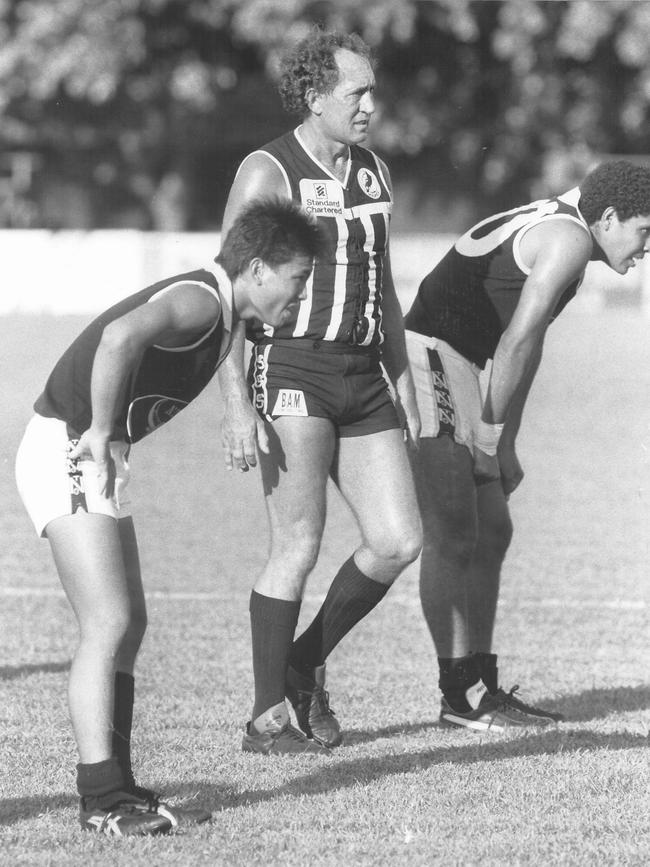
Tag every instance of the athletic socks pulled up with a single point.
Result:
(123, 723)
(352, 596)
(273, 625)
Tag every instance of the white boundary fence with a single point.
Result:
(85, 272)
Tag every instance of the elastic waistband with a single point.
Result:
(327, 346)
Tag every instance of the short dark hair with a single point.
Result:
(272, 229)
(619, 184)
(311, 64)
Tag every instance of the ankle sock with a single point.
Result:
(488, 670)
(457, 675)
(97, 782)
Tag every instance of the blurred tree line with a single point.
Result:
(136, 113)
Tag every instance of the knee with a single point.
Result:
(399, 548)
(455, 543)
(410, 546)
(105, 630)
(496, 536)
(297, 549)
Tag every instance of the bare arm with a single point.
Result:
(560, 253)
(557, 253)
(241, 427)
(394, 354)
(510, 469)
(181, 312)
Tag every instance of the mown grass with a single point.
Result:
(572, 629)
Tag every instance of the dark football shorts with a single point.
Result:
(344, 384)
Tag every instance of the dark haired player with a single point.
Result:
(474, 337)
(129, 372)
(321, 405)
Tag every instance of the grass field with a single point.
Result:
(572, 630)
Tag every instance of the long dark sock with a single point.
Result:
(457, 674)
(273, 625)
(487, 666)
(350, 598)
(123, 723)
(97, 783)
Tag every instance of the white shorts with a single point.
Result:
(52, 485)
(449, 389)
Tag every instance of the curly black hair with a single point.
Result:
(619, 184)
(311, 64)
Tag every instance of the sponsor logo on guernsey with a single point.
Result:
(369, 183)
(290, 401)
(322, 198)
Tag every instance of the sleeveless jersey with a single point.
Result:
(163, 383)
(343, 301)
(469, 297)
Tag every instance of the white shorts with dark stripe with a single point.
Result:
(450, 390)
(51, 484)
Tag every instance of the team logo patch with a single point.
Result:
(290, 401)
(369, 183)
(322, 198)
(150, 412)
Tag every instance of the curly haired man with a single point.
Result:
(320, 404)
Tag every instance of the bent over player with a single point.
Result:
(321, 405)
(130, 371)
(474, 337)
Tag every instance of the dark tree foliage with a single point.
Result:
(136, 112)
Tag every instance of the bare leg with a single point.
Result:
(374, 476)
(448, 504)
(295, 477)
(130, 646)
(90, 560)
(483, 578)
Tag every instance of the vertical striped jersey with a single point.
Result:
(166, 378)
(344, 293)
(469, 298)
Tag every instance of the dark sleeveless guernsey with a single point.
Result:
(163, 383)
(468, 299)
(345, 290)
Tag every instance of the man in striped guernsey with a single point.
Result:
(474, 337)
(130, 371)
(320, 403)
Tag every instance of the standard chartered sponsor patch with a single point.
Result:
(321, 198)
(291, 401)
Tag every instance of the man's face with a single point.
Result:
(346, 111)
(624, 241)
(281, 289)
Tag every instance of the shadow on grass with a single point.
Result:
(597, 703)
(11, 672)
(14, 810)
(354, 736)
(346, 774)
(583, 706)
(330, 775)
